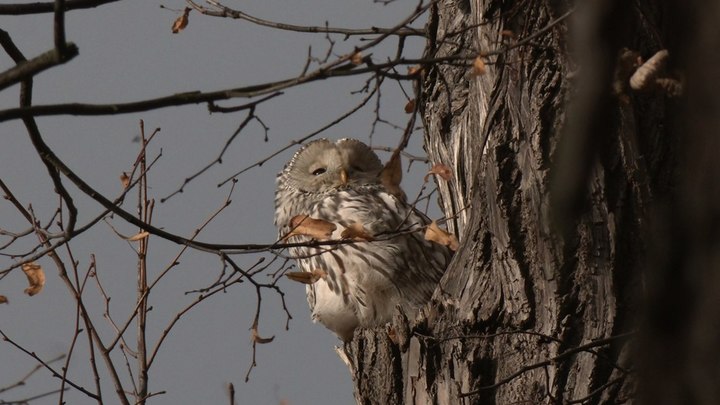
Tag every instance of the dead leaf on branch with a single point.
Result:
(3, 299)
(441, 170)
(35, 276)
(415, 70)
(132, 238)
(652, 75)
(181, 21)
(433, 233)
(256, 336)
(478, 67)
(125, 180)
(356, 58)
(307, 277)
(645, 75)
(138, 236)
(314, 228)
(356, 231)
(391, 176)
(410, 106)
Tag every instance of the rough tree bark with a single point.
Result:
(540, 298)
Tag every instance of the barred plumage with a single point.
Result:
(339, 183)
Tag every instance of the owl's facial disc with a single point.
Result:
(324, 166)
(331, 173)
(331, 176)
(316, 168)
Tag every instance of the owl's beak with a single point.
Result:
(343, 177)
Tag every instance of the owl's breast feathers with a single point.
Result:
(366, 279)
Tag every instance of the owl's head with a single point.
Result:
(323, 165)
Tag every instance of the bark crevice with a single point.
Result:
(519, 293)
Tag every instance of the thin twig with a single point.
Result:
(596, 391)
(26, 401)
(145, 209)
(301, 140)
(26, 69)
(219, 10)
(23, 380)
(554, 359)
(218, 160)
(120, 331)
(46, 365)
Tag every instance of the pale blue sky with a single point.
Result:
(128, 53)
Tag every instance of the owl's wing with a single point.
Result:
(399, 252)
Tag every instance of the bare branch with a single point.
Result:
(33, 131)
(66, 238)
(46, 365)
(39, 8)
(26, 401)
(303, 139)
(562, 356)
(59, 26)
(219, 10)
(197, 97)
(596, 391)
(26, 69)
(23, 380)
(218, 160)
(212, 107)
(340, 67)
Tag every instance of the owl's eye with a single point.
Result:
(318, 171)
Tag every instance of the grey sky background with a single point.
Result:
(128, 53)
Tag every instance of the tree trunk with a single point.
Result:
(681, 339)
(539, 300)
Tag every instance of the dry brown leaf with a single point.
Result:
(478, 67)
(410, 106)
(441, 170)
(306, 277)
(415, 70)
(314, 228)
(433, 233)
(125, 180)
(3, 299)
(181, 21)
(356, 58)
(645, 76)
(391, 176)
(35, 276)
(356, 231)
(138, 236)
(257, 338)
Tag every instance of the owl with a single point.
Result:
(363, 281)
